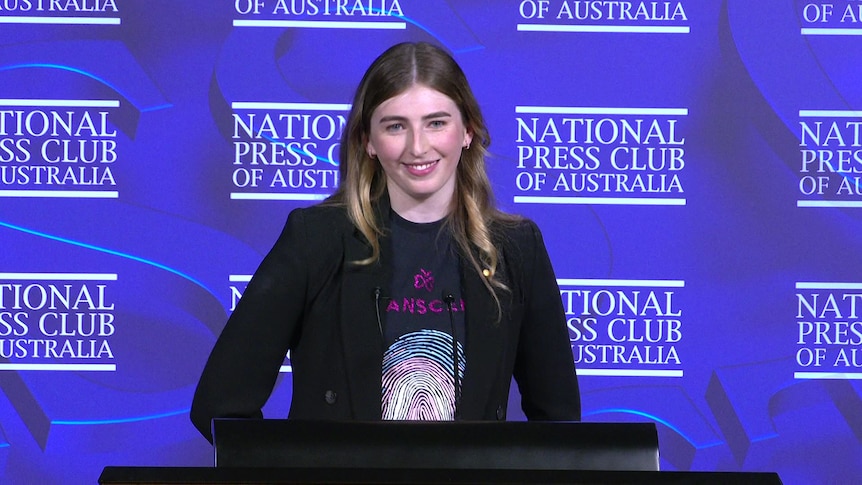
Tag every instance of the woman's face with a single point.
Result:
(417, 136)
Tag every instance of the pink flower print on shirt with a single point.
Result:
(423, 280)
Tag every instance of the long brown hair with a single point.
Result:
(362, 178)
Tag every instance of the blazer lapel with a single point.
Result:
(362, 341)
(485, 344)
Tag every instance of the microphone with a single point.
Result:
(449, 299)
(377, 294)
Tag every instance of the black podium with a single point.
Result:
(304, 452)
(436, 445)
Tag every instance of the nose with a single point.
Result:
(418, 143)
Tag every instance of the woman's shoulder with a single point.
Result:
(514, 228)
(321, 216)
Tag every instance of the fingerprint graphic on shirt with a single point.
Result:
(417, 377)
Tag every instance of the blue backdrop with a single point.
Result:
(694, 165)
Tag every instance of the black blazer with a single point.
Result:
(308, 297)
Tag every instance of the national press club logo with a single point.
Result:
(286, 151)
(58, 148)
(59, 12)
(836, 17)
(830, 158)
(57, 321)
(573, 16)
(600, 155)
(828, 334)
(628, 328)
(324, 14)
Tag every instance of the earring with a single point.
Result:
(467, 146)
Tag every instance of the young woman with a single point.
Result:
(407, 294)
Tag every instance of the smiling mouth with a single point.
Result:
(421, 166)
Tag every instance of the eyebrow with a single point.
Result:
(437, 114)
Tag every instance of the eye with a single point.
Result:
(394, 127)
(437, 124)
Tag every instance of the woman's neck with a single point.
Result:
(431, 209)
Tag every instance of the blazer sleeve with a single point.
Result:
(242, 368)
(544, 366)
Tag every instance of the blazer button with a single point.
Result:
(501, 413)
(331, 397)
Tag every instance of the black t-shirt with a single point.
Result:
(418, 364)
